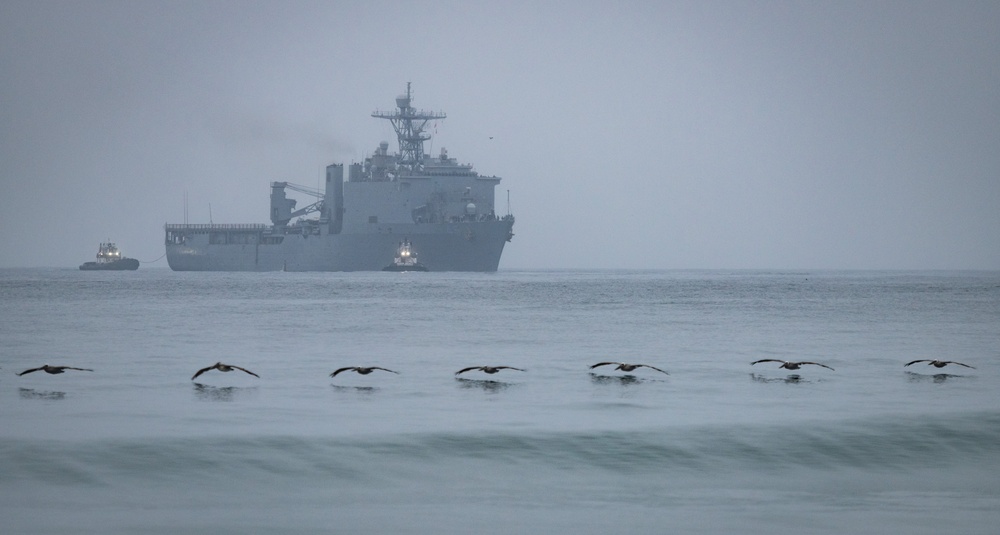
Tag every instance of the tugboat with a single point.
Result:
(110, 258)
(406, 259)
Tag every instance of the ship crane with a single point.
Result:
(281, 206)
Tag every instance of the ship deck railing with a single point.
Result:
(217, 226)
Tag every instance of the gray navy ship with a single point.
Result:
(444, 209)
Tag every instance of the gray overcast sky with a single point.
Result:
(630, 135)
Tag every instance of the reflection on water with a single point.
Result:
(220, 393)
(914, 377)
(31, 393)
(486, 385)
(367, 390)
(791, 379)
(601, 379)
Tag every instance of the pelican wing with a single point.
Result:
(344, 369)
(508, 368)
(203, 370)
(604, 364)
(463, 370)
(817, 364)
(31, 370)
(245, 370)
(652, 367)
(72, 368)
(916, 361)
(960, 364)
(384, 369)
(766, 360)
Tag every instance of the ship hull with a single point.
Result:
(125, 264)
(461, 246)
(404, 268)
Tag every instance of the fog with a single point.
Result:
(770, 135)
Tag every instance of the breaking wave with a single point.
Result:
(870, 445)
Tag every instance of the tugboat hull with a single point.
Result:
(414, 267)
(125, 264)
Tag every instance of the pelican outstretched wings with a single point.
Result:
(791, 365)
(488, 369)
(625, 367)
(53, 369)
(938, 363)
(222, 368)
(363, 370)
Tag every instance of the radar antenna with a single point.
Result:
(409, 123)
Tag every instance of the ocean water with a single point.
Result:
(716, 446)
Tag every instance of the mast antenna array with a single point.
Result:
(409, 123)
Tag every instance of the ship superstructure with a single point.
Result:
(356, 224)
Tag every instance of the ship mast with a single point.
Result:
(409, 123)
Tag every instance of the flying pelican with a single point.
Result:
(790, 365)
(222, 368)
(361, 369)
(54, 369)
(627, 367)
(488, 369)
(935, 363)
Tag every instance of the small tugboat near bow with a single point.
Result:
(110, 258)
(406, 259)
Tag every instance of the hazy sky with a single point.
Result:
(630, 135)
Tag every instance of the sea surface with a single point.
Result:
(717, 446)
